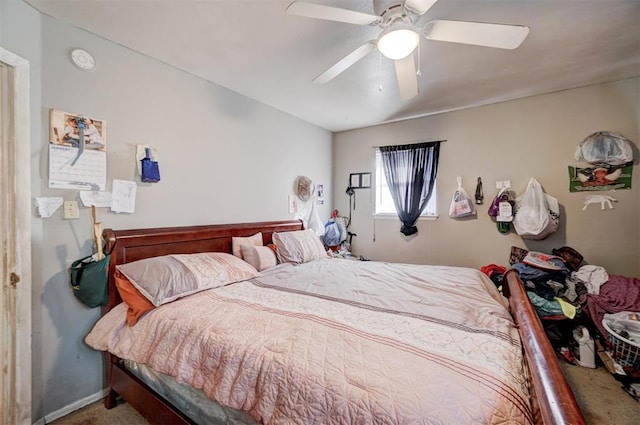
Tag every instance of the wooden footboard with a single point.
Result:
(556, 402)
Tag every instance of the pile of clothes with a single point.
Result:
(559, 287)
(554, 282)
(556, 288)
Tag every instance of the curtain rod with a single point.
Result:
(412, 143)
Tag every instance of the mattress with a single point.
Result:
(193, 403)
(336, 341)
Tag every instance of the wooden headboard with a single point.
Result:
(132, 245)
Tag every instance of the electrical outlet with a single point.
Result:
(71, 211)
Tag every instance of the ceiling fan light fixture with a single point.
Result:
(397, 42)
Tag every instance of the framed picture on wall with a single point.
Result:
(360, 180)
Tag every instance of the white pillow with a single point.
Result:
(260, 257)
(299, 246)
(237, 242)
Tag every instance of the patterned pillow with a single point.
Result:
(167, 278)
(299, 246)
(237, 242)
(260, 257)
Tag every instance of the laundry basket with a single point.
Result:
(625, 352)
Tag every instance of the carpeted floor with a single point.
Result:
(97, 414)
(601, 397)
(599, 394)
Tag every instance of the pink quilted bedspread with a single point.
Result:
(340, 342)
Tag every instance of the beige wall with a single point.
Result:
(517, 140)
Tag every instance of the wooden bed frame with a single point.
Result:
(556, 402)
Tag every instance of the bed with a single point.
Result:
(536, 393)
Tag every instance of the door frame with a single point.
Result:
(15, 222)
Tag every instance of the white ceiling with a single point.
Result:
(254, 48)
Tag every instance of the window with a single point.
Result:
(384, 203)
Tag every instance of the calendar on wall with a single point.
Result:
(77, 152)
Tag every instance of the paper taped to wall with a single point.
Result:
(123, 196)
(100, 199)
(47, 206)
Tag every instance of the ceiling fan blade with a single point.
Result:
(318, 11)
(418, 7)
(476, 33)
(345, 62)
(407, 78)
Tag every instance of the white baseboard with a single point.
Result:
(71, 407)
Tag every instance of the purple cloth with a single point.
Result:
(619, 293)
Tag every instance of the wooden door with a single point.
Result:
(15, 241)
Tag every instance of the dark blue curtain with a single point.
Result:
(411, 173)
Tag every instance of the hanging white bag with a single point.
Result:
(461, 203)
(537, 214)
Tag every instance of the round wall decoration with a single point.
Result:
(304, 188)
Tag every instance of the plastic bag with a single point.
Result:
(332, 233)
(537, 214)
(461, 203)
(494, 208)
(308, 213)
(501, 209)
(605, 147)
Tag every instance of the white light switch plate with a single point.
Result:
(503, 184)
(71, 211)
(293, 204)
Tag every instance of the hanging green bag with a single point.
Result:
(89, 280)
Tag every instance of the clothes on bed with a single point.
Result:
(332, 341)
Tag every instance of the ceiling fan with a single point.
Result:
(400, 35)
